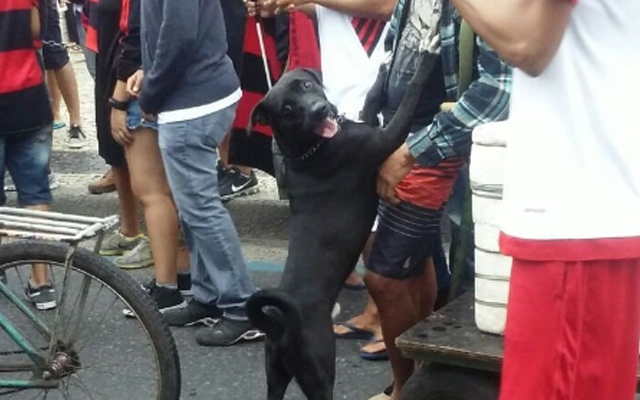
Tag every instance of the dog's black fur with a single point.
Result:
(331, 184)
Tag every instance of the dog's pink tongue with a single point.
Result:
(328, 128)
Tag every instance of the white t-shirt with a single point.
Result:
(348, 70)
(573, 165)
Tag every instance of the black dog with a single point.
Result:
(331, 169)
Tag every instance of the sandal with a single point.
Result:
(380, 355)
(354, 332)
(356, 287)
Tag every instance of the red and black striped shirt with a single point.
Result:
(24, 100)
(369, 32)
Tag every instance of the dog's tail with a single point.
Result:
(275, 313)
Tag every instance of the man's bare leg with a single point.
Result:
(52, 84)
(415, 297)
(39, 274)
(68, 87)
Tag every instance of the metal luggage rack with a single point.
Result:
(44, 225)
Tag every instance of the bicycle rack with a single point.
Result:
(45, 225)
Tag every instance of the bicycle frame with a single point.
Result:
(38, 361)
(45, 226)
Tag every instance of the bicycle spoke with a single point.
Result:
(84, 388)
(80, 348)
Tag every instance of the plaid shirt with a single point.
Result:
(486, 100)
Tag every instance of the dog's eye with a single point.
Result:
(287, 109)
(307, 85)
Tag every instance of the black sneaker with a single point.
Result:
(166, 299)
(75, 137)
(235, 184)
(43, 297)
(194, 313)
(227, 332)
(3, 277)
(184, 284)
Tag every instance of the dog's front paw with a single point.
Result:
(431, 44)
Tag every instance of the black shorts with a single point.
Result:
(406, 237)
(53, 50)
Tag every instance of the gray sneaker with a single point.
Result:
(139, 257)
(43, 297)
(117, 244)
(53, 181)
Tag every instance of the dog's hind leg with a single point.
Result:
(278, 377)
(317, 368)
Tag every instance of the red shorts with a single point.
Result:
(572, 331)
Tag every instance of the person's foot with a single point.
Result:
(117, 244)
(57, 125)
(9, 186)
(53, 180)
(234, 184)
(194, 313)
(42, 297)
(184, 284)
(354, 282)
(226, 333)
(136, 258)
(375, 350)
(106, 184)
(76, 137)
(165, 298)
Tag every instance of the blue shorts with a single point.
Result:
(135, 120)
(27, 156)
(406, 237)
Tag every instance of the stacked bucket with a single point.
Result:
(493, 270)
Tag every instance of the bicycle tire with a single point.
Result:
(125, 287)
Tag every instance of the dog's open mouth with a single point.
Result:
(328, 128)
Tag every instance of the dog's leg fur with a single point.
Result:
(374, 102)
(278, 377)
(394, 134)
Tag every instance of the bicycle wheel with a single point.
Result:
(104, 355)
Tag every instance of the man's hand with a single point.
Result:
(257, 6)
(134, 83)
(286, 5)
(119, 129)
(392, 171)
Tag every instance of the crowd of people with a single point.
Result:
(175, 82)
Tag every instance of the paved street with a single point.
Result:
(234, 373)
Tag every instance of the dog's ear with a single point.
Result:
(259, 116)
(317, 75)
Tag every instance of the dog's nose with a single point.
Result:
(319, 108)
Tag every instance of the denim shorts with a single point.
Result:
(27, 156)
(135, 120)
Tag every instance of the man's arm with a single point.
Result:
(526, 33)
(176, 42)
(376, 9)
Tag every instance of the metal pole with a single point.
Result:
(263, 51)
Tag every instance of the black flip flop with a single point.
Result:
(358, 287)
(380, 355)
(355, 332)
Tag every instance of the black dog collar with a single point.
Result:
(314, 149)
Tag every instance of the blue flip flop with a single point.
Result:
(354, 332)
(58, 125)
(380, 355)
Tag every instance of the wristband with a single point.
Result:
(118, 105)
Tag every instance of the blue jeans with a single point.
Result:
(135, 120)
(218, 270)
(26, 156)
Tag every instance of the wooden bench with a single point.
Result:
(460, 361)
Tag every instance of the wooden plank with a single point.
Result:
(451, 336)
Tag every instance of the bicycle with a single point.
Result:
(84, 348)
